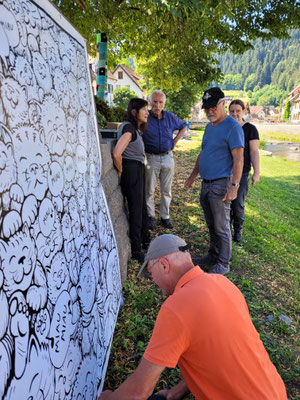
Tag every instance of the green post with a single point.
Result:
(101, 65)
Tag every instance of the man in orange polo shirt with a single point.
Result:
(204, 326)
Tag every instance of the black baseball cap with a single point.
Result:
(211, 97)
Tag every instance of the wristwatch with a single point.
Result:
(237, 185)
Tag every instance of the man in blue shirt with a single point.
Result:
(220, 165)
(159, 142)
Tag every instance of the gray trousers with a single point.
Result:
(162, 168)
(217, 216)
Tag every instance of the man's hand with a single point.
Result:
(189, 182)
(231, 194)
(119, 176)
(106, 395)
(177, 392)
(255, 178)
(166, 393)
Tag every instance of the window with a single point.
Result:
(120, 75)
(110, 88)
(118, 86)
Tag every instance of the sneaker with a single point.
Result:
(151, 223)
(140, 257)
(205, 260)
(166, 223)
(237, 237)
(219, 269)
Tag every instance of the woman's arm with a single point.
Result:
(121, 145)
(254, 158)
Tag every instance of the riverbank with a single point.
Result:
(290, 151)
(278, 127)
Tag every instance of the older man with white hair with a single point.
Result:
(159, 143)
(204, 326)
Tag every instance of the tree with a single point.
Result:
(268, 95)
(181, 102)
(287, 110)
(250, 82)
(176, 41)
(122, 96)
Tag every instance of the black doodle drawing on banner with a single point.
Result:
(59, 274)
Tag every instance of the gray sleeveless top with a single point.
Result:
(135, 150)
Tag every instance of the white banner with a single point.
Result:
(59, 270)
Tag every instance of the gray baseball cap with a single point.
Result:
(161, 246)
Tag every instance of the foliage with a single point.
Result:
(268, 95)
(233, 82)
(181, 102)
(264, 267)
(122, 96)
(176, 41)
(102, 108)
(117, 114)
(101, 120)
(287, 110)
(275, 62)
(250, 82)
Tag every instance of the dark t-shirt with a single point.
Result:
(135, 149)
(129, 128)
(251, 133)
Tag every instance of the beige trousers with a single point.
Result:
(159, 167)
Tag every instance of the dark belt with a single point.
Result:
(212, 180)
(159, 154)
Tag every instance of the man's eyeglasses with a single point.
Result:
(149, 269)
(213, 108)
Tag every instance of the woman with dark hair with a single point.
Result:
(251, 157)
(129, 159)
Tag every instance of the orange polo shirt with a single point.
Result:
(205, 327)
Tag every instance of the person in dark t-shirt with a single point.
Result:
(251, 157)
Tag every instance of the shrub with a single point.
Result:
(262, 144)
(118, 114)
(101, 120)
(122, 96)
(103, 108)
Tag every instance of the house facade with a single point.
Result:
(111, 86)
(121, 76)
(126, 77)
(294, 97)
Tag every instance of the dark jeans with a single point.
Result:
(217, 216)
(133, 188)
(237, 212)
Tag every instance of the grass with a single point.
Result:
(278, 136)
(237, 94)
(265, 268)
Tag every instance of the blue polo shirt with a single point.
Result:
(218, 141)
(158, 138)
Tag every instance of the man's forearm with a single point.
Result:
(179, 135)
(195, 171)
(238, 164)
(139, 385)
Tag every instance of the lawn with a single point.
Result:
(265, 268)
(278, 136)
(237, 94)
